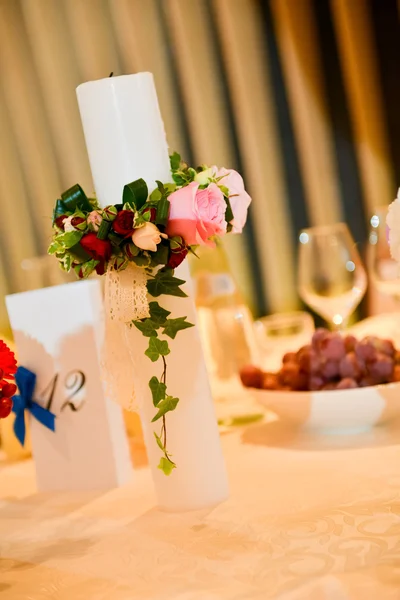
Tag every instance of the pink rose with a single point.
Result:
(197, 215)
(238, 197)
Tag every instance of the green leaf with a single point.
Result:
(170, 187)
(159, 442)
(85, 269)
(224, 190)
(158, 389)
(161, 187)
(179, 180)
(55, 247)
(166, 466)
(157, 348)
(229, 212)
(135, 193)
(67, 262)
(172, 326)
(165, 283)
(162, 211)
(155, 195)
(141, 260)
(147, 327)
(167, 405)
(191, 173)
(176, 242)
(161, 256)
(158, 314)
(175, 161)
(104, 230)
(69, 239)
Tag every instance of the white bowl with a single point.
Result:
(336, 411)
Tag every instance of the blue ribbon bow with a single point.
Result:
(26, 381)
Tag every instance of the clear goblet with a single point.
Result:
(331, 277)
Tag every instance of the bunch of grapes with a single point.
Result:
(330, 362)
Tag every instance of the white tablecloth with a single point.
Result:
(311, 518)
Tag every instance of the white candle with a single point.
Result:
(124, 133)
(125, 139)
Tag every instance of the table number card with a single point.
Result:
(58, 334)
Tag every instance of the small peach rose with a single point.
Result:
(147, 237)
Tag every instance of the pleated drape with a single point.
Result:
(293, 93)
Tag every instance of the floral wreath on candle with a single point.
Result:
(155, 232)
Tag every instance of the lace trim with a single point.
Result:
(125, 301)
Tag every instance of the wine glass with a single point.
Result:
(383, 269)
(331, 277)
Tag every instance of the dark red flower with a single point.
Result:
(78, 223)
(6, 405)
(101, 268)
(59, 221)
(98, 249)
(8, 364)
(7, 390)
(123, 223)
(176, 258)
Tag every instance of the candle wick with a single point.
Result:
(111, 74)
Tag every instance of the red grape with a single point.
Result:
(365, 349)
(252, 376)
(396, 373)
(382, 368)
(346, 384)
(319, 336)
(385, 346)
(350, 343)
(331, 385)
(351, 366)
(330, 369)
(289, 357)
(367, 382)
(270, 381)
(304, 358)
(316, 383)
(333, 348)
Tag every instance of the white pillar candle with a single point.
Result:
(124, 132)
(125, 139)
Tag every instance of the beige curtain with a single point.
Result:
(212, 66)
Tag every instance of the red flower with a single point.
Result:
(98, 249)
(123, 223)
(8, 364)
(176, 258)
(60, 221)
(101, 268)
(7, 390)
(78, 223)
(6, 405)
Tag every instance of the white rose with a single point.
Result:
(393, 223)
(206, 176)
(68, 225)
(147, 237)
